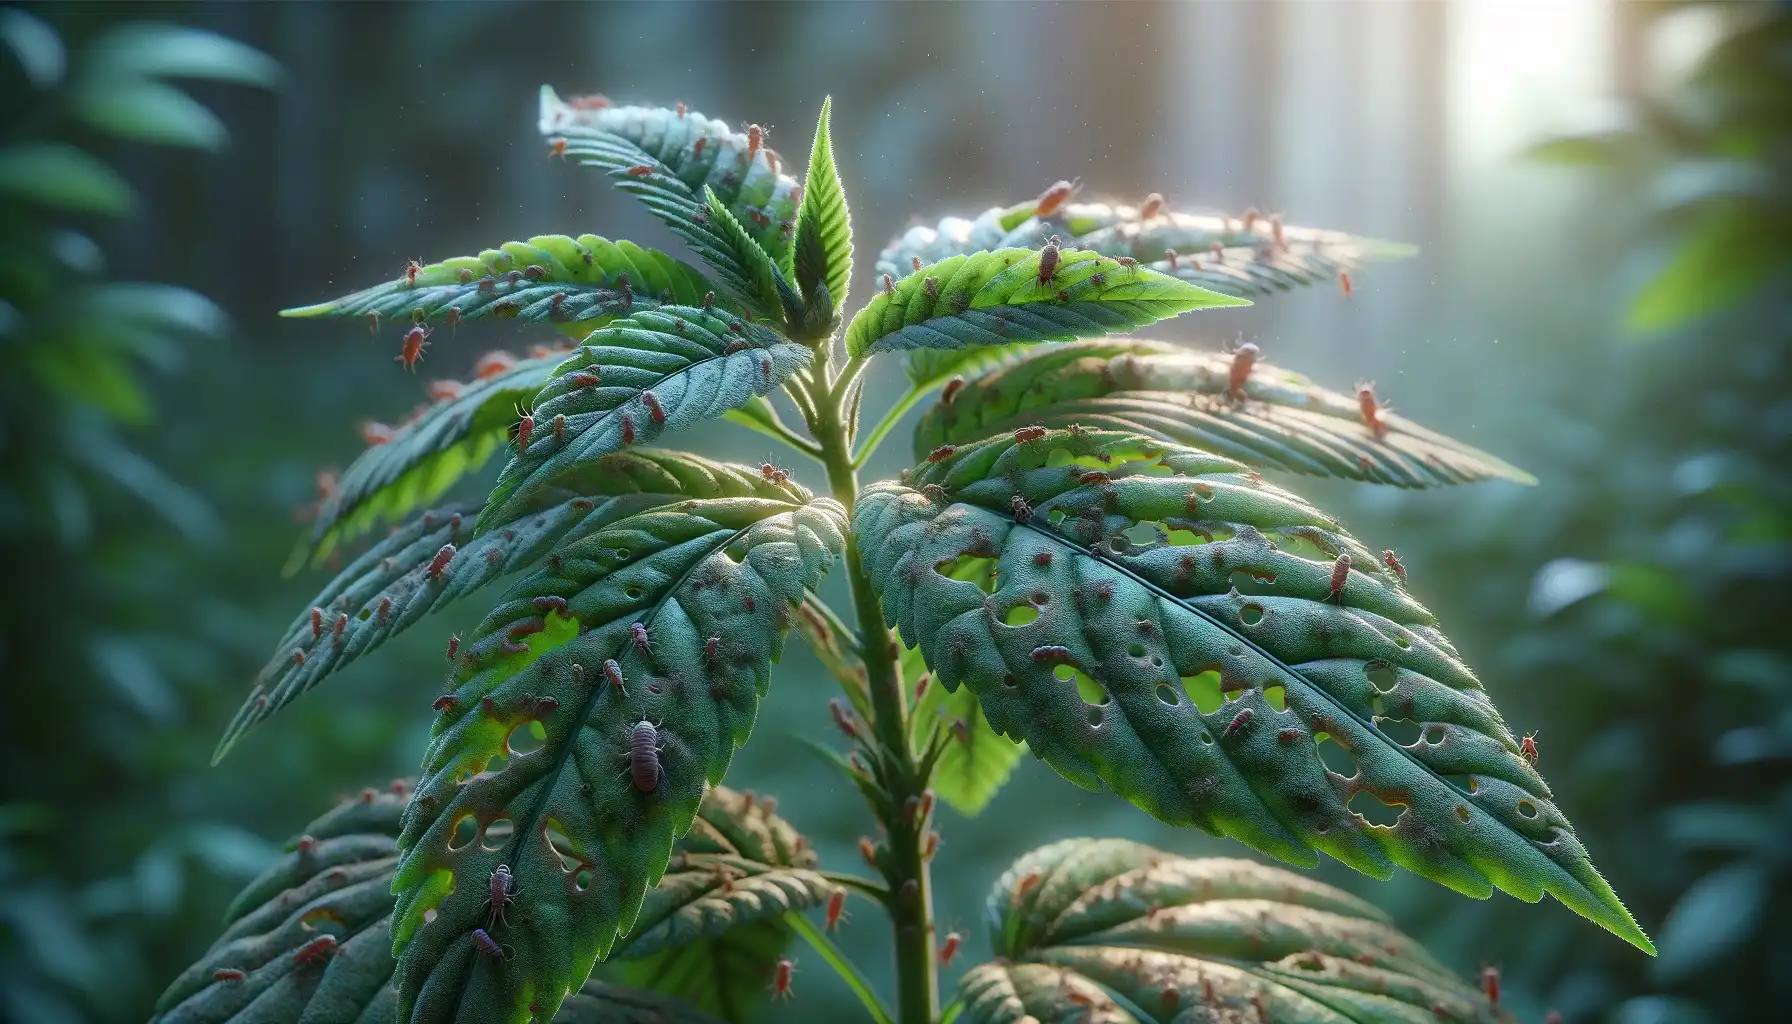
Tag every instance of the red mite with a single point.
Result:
(558, 148)
(1388, 559)
(445, 390)
(453, 646)
(229, 975)
(640, 170)
(412, 349)
(439, 563)
(525, 427)
(488, 945)
(953, 386)
(376, 434)
(581, 381)
(1275, 225)
(559, 428)
(1242, 361)
(1490, 985)
(921, 685)
(493, 364)
(697, 150)
(317, 623)
(644, 756)
(1154, 205)
(1344, 284)
(1048, 261)
(341, 626)
(1340, 576)
(1028, 882)
(410, 273)
(373, 322)
(836, 909)
(1026, 435)
(1528, 747)
(949, 948)
(941, 454)
(711, 648)
(1371, 409)
(1053, 199)
(654, 408)
(889, 285)
(755, 138)
(843, 719)
(595, 101)
(384, 611)
(316, 951)
(446, 702)
(638, 633)
(867, 850)
(1240, 722)
(613, 672)
(774, 474)
(781, 978)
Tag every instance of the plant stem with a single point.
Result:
(880, 1014)
(911, 908)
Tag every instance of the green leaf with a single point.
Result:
(1727, 257)
(768, 291)
(989, 298)
(976, 760)
(581, 283)
(823, 250)
(1248, 262)
(334, 882)
(1112, 930)
(600, 1003)
(148, 111)
(56, 175)
(656, 371)
(389, 588)
(760, 416)
(35, 45)
(427, 456)
(712, 932)
(1280, 420)
(726, 570)
(172, 51)
(1187, 649)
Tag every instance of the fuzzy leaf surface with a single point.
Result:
(595, 279)
(823, 250)
(425, 457)
(768, 291)
(657, 371)
(996, 297)
(728, 569)
(712, 932)
(1249, 263)
(1283, 421)
(1114, 931)
(667, 161)
(389, 588)
(1089, 586)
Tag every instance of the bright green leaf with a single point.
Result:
(823, 250)
(976, 760)
(1727, 257)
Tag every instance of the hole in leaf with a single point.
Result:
(1373, 809)
(527, 738)
(583, 878)
(1095, 715)
(1055, 516)
(1252, 582)
(1041, 598)
(1381, 675)
(1120, 543)
(1462, 812)
(633, 592)
(497, 834)
(736, 552)
(1277, 697)
(1333, 755)
(1167, 695)
(1009, 681)
(972, 569)
(1086, 687)
(1526, 808)
(1185, 538)
(562, 845)
(1434, 734)
(1302, 546)
(1204, 689)
(1145, 533)
(1403, 731)
(1251, 614)
(1157, 662)
(1207, 737)
(466, 827)
(323, 919)
(1136, 651)
(1466, 783)
(497, 763)
(1065, 672)
(1020, 615)
(1401, 641)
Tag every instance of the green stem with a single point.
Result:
(841, 965)
(911, 908)
(888, 423)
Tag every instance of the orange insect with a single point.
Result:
(1048, 261)
(755, 138)
(867, 850)
(781, 978)
(410, 273)
(952, 388)
(1490, 985)
(493, 364)
(439, 563)
(921, 685)
(1389, 559)
(836, 909)
(843, 719)
(1053, 199)
(412, 350)
(1242, 360)
(453, 317)
(942, 453)
(1340, 576)
(697, 150)
(453, 646)
(445, 390)
(557, 149)
(525, 427)
(373, 322)
(931, 847)
(1371, 409)
(315, 952)
(229, 975)
(773, 474)
(949, 948)
(654, 409)
(1250, 220)
(376, 434)
(1528, 747)
(1344, 284)
(1154, 205)
(640, 170)
(1027, 435)
(1028, 882)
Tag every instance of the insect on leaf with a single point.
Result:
(1112, 930)
(596, 704)
(1008, 295)
(823, 249)
(397, 582)
(425, 457)
(635, 381)
(1194, 635)
(1276, 420)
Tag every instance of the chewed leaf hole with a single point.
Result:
(1403, 731)
(562, 845)
(527, 738)
(582, 879)
(1141, 534)
(1186, 538)
(1434, 734)
(1373, 810)
(1020, 615)
(1203, 689)
(736, 552)
(497, 834)
(1055, 516)
(1087, 688)
(1302, 546)
(633, 592)
(1381, 675)
(465, 830)
(1065, 672)
(1167, 695)
(1277, 697)
(1466, 783)
(323, 919)
(971, 569)
(1251, 614)
(1095, 715)
(1526, 808)
(1462, 813)
(1253, 582)
(1333, 755)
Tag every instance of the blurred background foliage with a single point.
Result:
(1610, 310)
